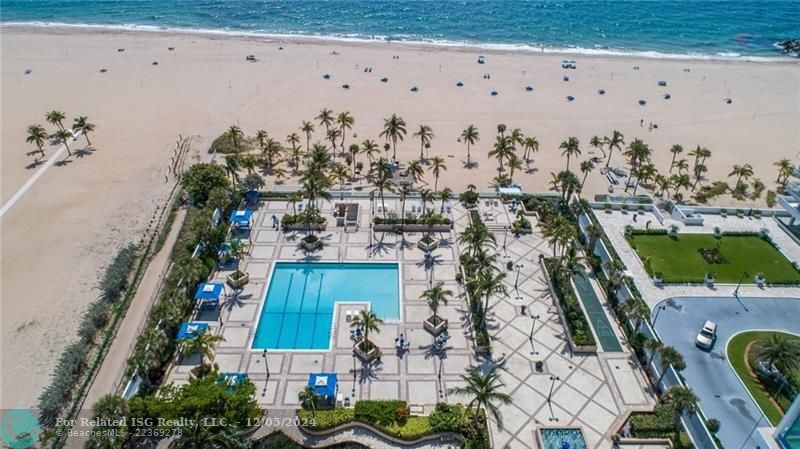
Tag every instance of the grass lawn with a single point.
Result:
(680, 260)
(738, 359)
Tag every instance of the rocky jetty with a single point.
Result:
(790, 47)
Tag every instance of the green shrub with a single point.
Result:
(659, 423)
(115, 278)
(325, 419)
(378, 412)
(469, 197)
(413, 428)
(200, 179)
(577, 323)
(446, 417)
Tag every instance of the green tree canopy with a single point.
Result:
(200, 179)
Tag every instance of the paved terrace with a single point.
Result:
(593, 392)
(614, 225)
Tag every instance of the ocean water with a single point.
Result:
(670, 28)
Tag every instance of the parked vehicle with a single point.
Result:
(707, 335)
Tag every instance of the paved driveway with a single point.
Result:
(721, 394)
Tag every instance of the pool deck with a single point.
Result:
(594, 392)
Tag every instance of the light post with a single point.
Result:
(516, 281)
(354, 371)
(550, 397)
(505, 238)
(530, 337)
(658, 311)
(441, 364)
(736, 292)
(266, 367)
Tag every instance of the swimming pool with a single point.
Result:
(564, 438)
(297, 313)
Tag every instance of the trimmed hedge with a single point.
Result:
(446, 417)
(653, 425)
(378, 412)
(325, 419)
(410, 220)
(577, 322)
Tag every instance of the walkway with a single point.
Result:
(721, 393)
(32, 180)
(111, 371)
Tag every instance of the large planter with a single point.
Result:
(576, 349)
(305, 227)
(364, 354)
(435, 328)
(311, 245)
(709, 280)
(429, 245)
(238, 279)
(386, 227)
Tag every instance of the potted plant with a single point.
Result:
(628, 230)
(367, 322)
(509, 265)
(428, 243)
(311, 243)
(624, 208)
(759, 278)
(237, 279)
(607, 207)
(709, 279)
(673, 231)
(764, 233)
(740, 213)
(436, 296)
(717, 232)
(658, 277)
(757, 214)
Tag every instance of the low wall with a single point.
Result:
(303, 227)
(576, 349)
(439, 438)
(410, 228)
(632, 208)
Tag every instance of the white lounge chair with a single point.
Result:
(348, 316)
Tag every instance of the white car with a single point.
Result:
(707, 335)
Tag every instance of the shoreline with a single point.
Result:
(458, 46)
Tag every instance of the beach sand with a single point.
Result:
(59, 235)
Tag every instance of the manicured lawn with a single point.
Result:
(738, 359)
(680, 260)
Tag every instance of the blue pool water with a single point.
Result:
(790, 439)
(562, 439)
(299, 305)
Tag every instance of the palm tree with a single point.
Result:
(484, 391)
(333, 134)
(680, 182)
(667, 356)
(636, 311)
(586, 168)
(271, 150)
(699, 169)
(340, 174)
(617, 140)
(697, 152)
(653, 345)
(517, 137)
(370, 148)
(514, 163)
(55, 118)
(531, 146)
(294, 198)
(675, 150)
(394, 129)
(325, 119)
(485, 284)
(308, 398)
(437, 166)
(705, 153)
(741, 171)
(261, 138)
(403, 191)
(64, 136)
(367, 321)
(197, 433)
(780, 352)
(426, 196)
(383, 183)
(593, 231)
(415, 171)
(663, 184)
(682, 165)
(202, 343)
(785, 169)
(502, 150)
(445, 195)
(111, 412)
(473, 238)
(425, 135)
(307, 128)
(681, 400)
(501, 129)
(470, 136)
(436, 296)
(37, 135)
(294, 140)
(82, 123)
(345, 121)
(597, 142)
(235, 134)
(571, 148)
(637, 153)
(354, 150)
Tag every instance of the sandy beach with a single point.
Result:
(65, 228)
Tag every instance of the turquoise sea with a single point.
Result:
(671, 28)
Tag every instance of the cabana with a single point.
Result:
(231, 380)
(189, 330)
(324, 384)
(241, 219)
(208, 295)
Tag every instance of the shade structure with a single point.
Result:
(241, 218)
(252, 195)
(190, 329)
(231, 380)
(324, 384)
(208, 294)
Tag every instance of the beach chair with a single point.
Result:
(348, 316)
(339, 399)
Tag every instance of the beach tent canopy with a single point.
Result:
(231, 380)
(190, 329)
(324, 384)
(209, 291)
(241, 218)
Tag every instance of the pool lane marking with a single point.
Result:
(300, 311)
(283, 313)
(316, 313)
(50, 161)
